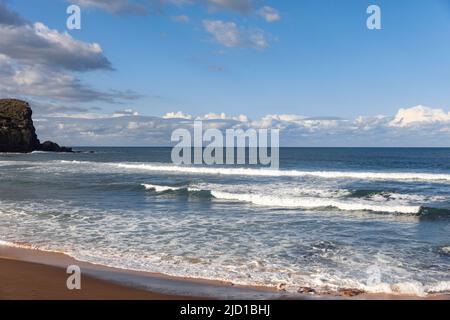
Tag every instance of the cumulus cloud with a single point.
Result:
(130, 128)
(177, 115)
(222, 116)
(40, 81)
(42, 63)
(113, 6)
(269, 14)
(38, 44)
(231, 35)
(418, 116)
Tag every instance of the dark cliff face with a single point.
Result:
(17, 133)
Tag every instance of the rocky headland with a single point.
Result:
(17, 132)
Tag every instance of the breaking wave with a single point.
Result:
(314, 203)
(160, 188)
(262, 172)
(292, 202)
(291, 173)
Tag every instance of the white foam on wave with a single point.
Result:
(263, 172)
(290, 173)
(313, 203)
(446, 250)
(418, 198)
(4, 163)
(439, 287)
(285, 199)
(413, 288)
(158, 188)
(168, 256)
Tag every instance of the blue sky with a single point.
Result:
(313, 58)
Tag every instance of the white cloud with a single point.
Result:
(37, 62)
(101, 129)
(113, 6)
(177, 115)
(225, 33)
(214, 116)
(75, 116)
(286, 117)
(42, 82)
(419, 115)
(230, 35)
(125, 113)
(269, 14)
(242, 118)
(38, 44)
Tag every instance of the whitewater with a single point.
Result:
(329, 219)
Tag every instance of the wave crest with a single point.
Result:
(291, 173)
(262, 172)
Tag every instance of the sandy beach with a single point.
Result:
(32, 281)
(25, 275)
(29, 274)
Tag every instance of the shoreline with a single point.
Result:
(32, 281)
(143, 285)
(28, 273)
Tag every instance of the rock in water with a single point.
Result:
(53, 147)
(17, 132)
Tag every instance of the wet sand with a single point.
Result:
(27, 273)
(31, 274)
(33, 281)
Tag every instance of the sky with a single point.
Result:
(138, 69)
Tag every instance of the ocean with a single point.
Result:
(371, 219)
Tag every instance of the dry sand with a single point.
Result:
(31, 274)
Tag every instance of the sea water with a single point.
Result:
(376, 220)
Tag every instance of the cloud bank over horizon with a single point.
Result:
(429, 127)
